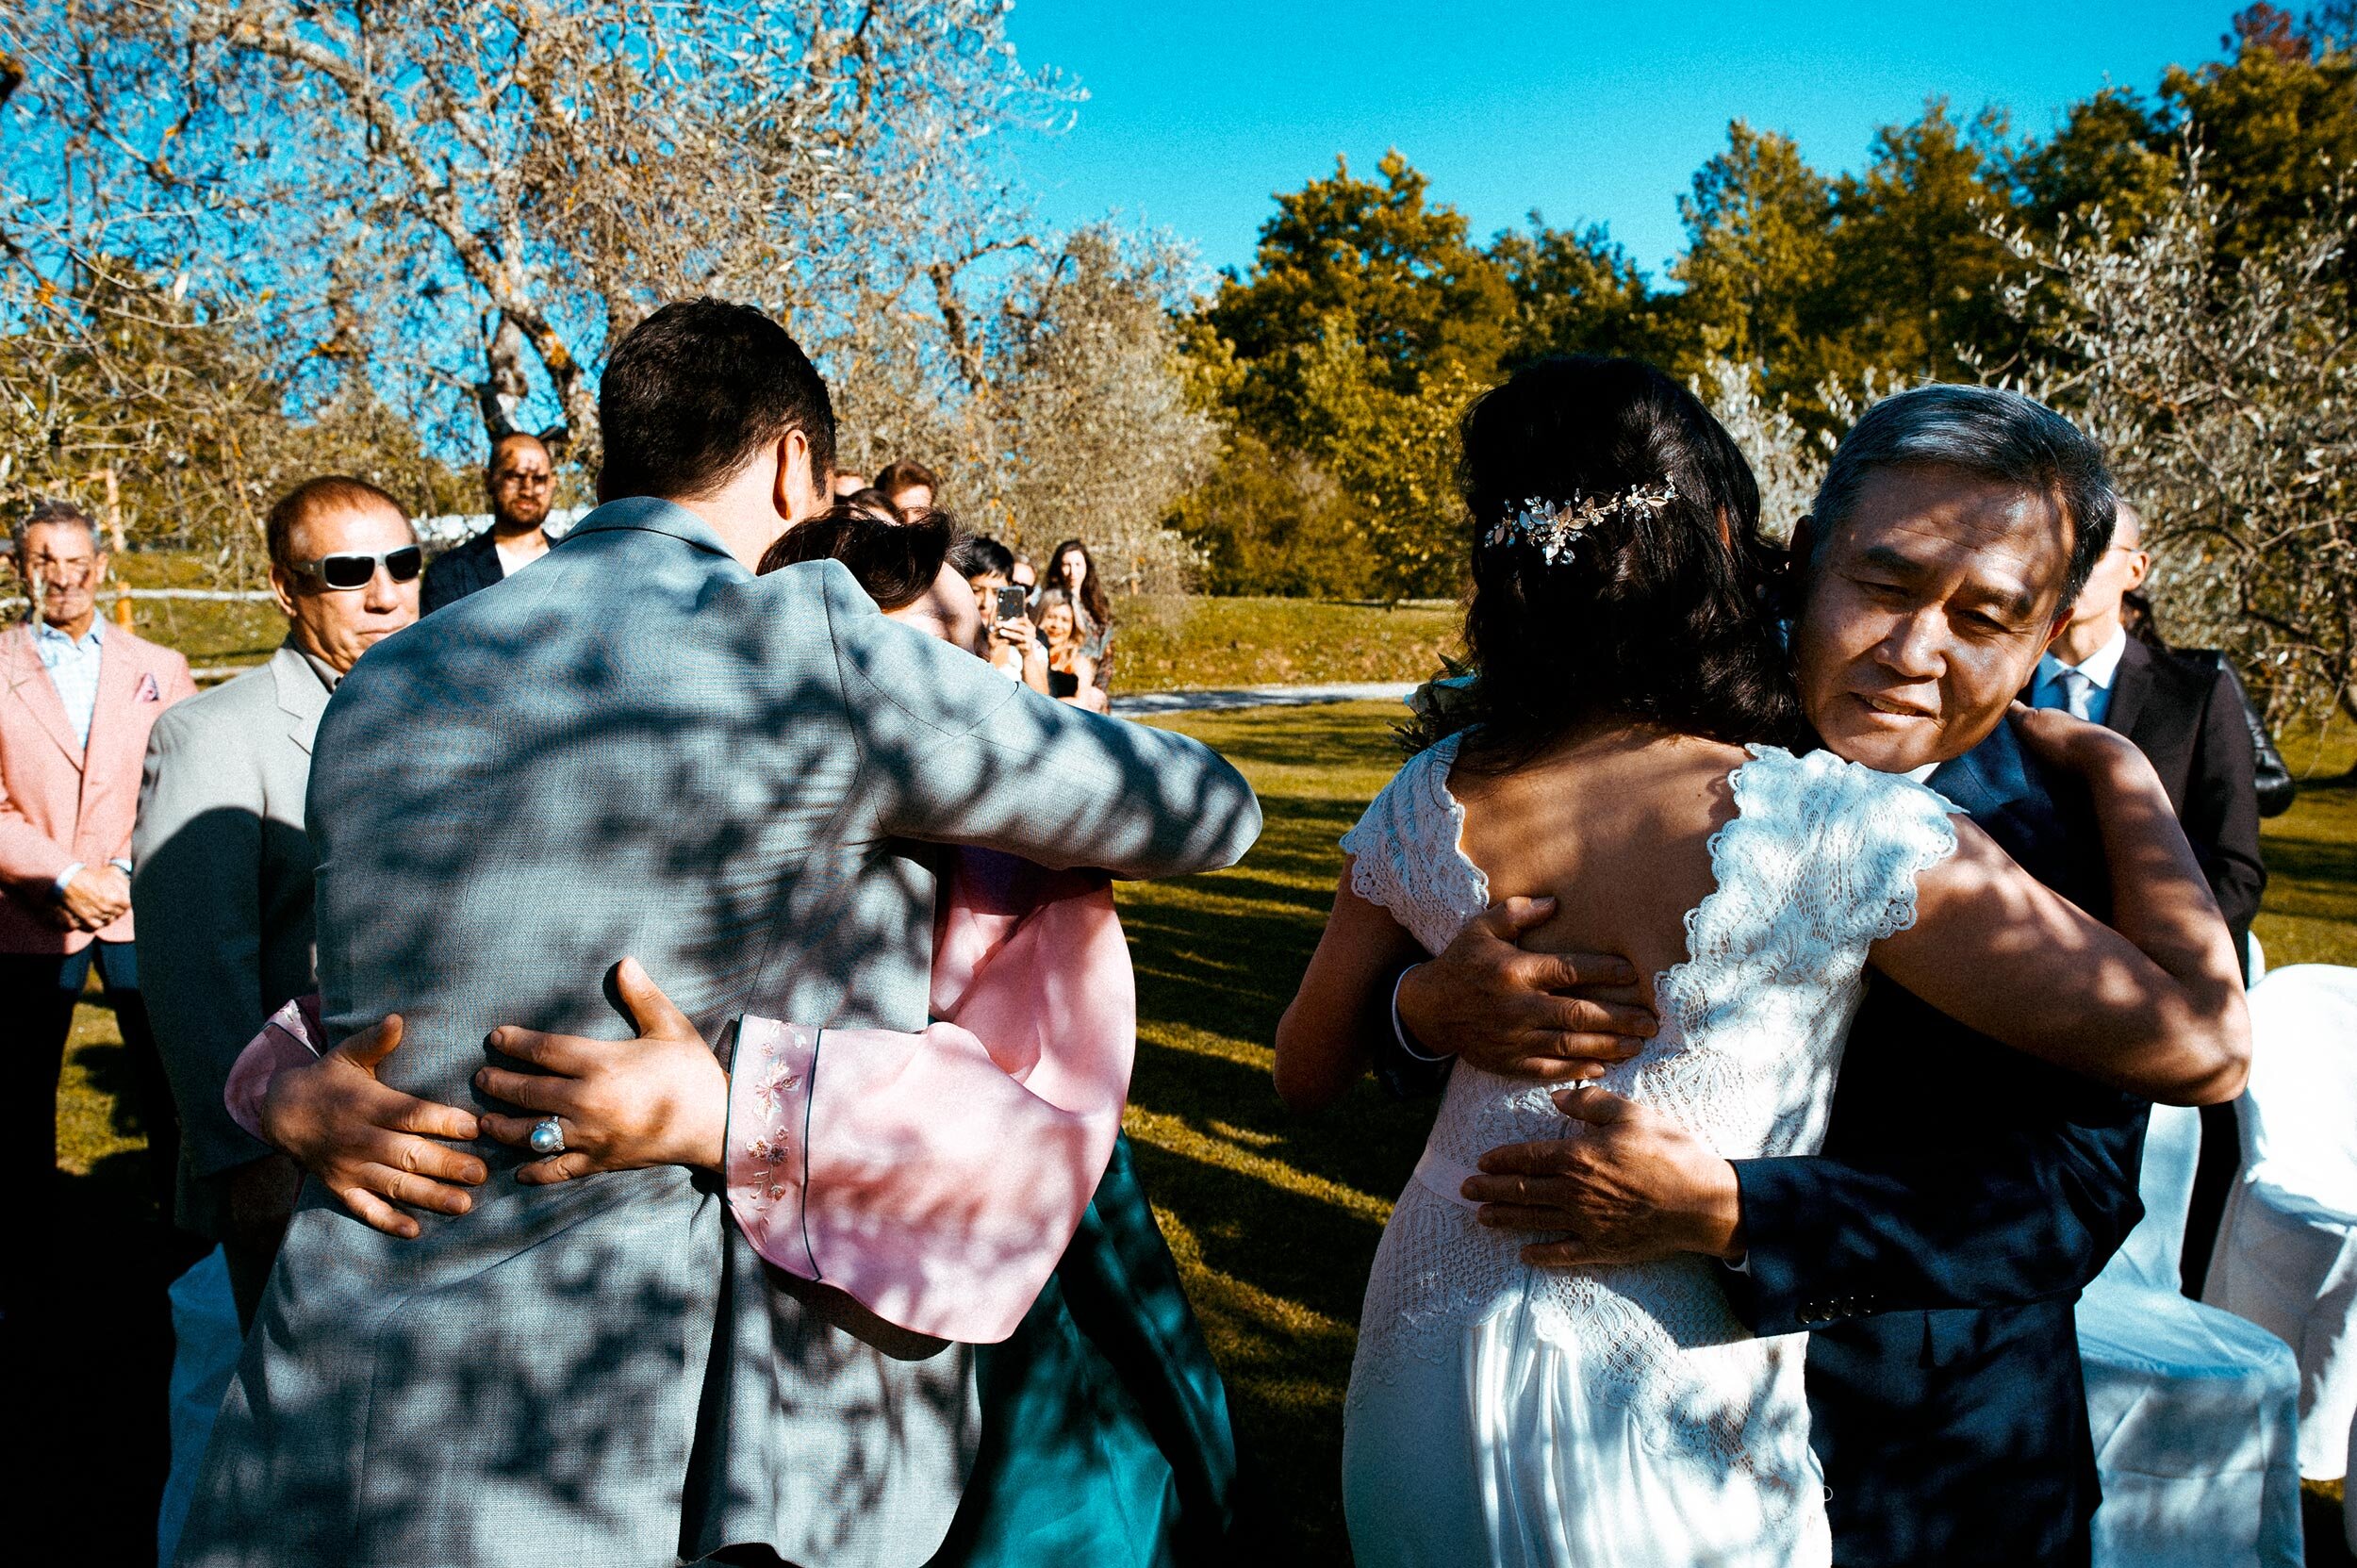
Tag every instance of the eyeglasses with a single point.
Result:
(356, 568)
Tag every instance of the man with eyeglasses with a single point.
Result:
(2185, 711)
(78, 698)
(520, 481)
(224, 864)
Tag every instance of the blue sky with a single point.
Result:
(1199, 110)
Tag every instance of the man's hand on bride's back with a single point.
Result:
(660, 1099)
(1520, 1014)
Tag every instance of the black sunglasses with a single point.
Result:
(356, 568)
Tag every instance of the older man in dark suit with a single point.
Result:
(1965, 1195)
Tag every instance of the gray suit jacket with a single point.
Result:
(637, 747)
(225, 884)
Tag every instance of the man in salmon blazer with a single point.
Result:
(78, 698)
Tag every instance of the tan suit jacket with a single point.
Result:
(58, 803)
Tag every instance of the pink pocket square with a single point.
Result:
(149, 690)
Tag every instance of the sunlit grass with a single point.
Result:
(1169, 644)
(2310, 853)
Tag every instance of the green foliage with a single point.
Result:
(2276, 125)
(1346, 359)
(1575, 292)
(1341, 360)
(2113, 153)
(1918, 272)
(1399, 274)
(1758, 254)
(1273, 522)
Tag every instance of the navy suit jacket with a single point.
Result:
(1936, 1247)
(462, 570)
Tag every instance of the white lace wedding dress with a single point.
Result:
(1622, 1417)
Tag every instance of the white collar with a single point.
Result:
(2098, 667)
(90, 638)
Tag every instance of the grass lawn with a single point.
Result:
(1173, 644)
(1275, 1220)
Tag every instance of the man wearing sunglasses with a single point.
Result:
(223, 888)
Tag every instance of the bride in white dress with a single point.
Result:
(1624, 763)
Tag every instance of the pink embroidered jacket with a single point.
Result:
(935, 1177)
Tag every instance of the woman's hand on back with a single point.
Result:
(2075, 746)
(660, 1099)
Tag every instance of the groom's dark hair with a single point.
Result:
(695, 390)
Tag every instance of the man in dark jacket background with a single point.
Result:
(2186, 713)
(521, 480)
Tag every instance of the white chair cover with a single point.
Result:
(2286, 1255)
(2348, 1502)
(2192, 1409)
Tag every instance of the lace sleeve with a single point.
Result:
(1405, 853)
(1894, 829)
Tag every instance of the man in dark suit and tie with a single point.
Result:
(522, 482)
(1935, 1248)
(2183, 713)
(2186, 713)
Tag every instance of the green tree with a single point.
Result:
(1393, 457)
(2276, 125)
(1916, 269)
(1341, 361)
(1575, 292)
(1273, 522)
(1413, 291)
(2113, 151)
(1759, 249)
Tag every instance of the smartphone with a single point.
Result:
(1014, 603)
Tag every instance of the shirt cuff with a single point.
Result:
(1399, 1031)
(1742, 1266)
(65, 879)
(770, 1082)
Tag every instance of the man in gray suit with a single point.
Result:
(640, 748)
(225, 870)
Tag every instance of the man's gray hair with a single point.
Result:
(1988, 431)
(54, 513)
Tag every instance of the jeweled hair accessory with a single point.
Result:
(1555, 527)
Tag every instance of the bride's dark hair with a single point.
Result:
(1658, 613)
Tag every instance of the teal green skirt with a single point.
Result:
(1105, 1434)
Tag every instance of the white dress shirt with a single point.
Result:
(73, 666)
(2051, 687)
